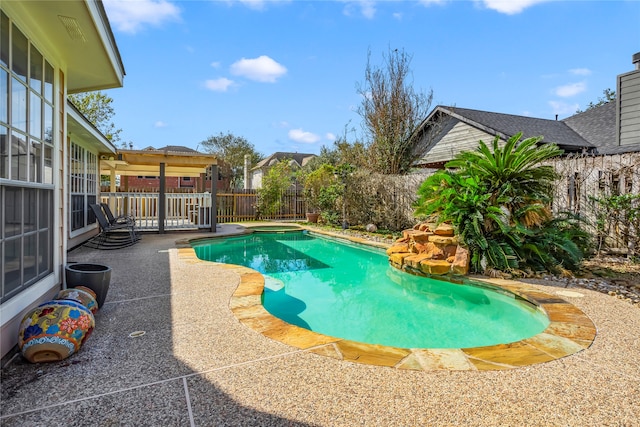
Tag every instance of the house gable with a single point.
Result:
(453, 130)
(460, 137)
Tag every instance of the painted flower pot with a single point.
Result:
(94, 276)
(54, 330)
(81, 295)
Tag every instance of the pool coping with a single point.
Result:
(569, 331)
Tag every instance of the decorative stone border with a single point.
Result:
(569, 331)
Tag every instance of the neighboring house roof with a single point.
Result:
(300, 158)
(507, 125)
(596, 125)
(588, 131)
(174, 149)
(619, 149)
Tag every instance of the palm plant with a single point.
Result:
(498, 201)
(515, 173)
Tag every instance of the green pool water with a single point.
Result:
(350, 291)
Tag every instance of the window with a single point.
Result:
(26, 161)
(27, 253)
(84, 185)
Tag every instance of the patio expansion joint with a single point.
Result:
(181, 378)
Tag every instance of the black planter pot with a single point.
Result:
(94, 276)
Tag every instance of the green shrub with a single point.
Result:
(498, 200)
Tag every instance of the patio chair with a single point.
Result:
(120, 219)
(111, 236)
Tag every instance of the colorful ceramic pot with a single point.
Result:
(79, 295)
(54, 330)
(86, 289)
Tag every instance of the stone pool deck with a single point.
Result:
(198, 364)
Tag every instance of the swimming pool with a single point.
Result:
(351, 292)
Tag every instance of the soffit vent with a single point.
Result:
(73, 28)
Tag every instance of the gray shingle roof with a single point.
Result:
(596, 125)
(552, 131)
(619, 149)
(300, 158)
(177, 149)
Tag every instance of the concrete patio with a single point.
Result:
(197, 365)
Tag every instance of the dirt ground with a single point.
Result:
(613, 269)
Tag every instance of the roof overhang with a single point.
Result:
(80, 35)
(80, 129)
(147, 163)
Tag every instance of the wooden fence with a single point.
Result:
(585, 181)
(242, 205)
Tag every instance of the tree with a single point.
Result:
(98, 109)
(391, 110)
(609, 95)
(232, 149)
(276, 181)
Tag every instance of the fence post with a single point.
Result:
(162, 201)
(214, 191)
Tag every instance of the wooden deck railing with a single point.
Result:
(185, 211)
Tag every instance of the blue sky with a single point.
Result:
(283, 74)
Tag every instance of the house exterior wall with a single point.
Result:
(171, 182)
(35, 68)
(629, 108)
(32, 259)
(149, 184)
(461, 137)
(256, 179)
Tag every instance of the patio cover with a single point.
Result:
(147, 163)
(162, 163)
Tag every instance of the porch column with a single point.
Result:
(162, 201)
(112, 190)
(214, 191)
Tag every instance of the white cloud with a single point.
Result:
(261, 69)
(257, 4)
(365, 7)
(302, 136)
(509, 7)
(580, 71)
(430, 2)
(132, 16)
(218, 85)
(330, 136)
(159, 124)
(397, 16)
(571, 89)
(215, 64)
(562, 108)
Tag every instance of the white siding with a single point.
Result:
(629, 107)
(461, 137)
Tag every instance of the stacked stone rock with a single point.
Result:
(429, 250)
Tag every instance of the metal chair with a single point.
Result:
(111, 236)
(121, 219)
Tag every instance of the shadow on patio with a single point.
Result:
(196, 364)
(172, 375)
